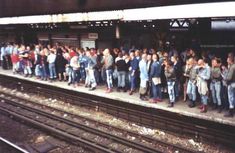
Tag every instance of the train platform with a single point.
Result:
(180, 107)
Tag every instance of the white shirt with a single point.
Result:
(51, 58)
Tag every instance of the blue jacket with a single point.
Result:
(134, 64)
(204, 73)
(155, 70)
(143, 70)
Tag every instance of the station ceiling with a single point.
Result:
(10, 8)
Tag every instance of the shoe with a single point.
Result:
(204, 109)
(152, 101)
(170, 105)
(118, 89)
(159, 100)
(214, 107)
(220, 109)
(144, 98)
(191, 104)
(131, 92)
(200, 107)
(93, 88)
(229, 113)
(108, 91)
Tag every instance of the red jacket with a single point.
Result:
(15, 59)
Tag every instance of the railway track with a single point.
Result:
(9, 147)
(150, 117)
(67, 128)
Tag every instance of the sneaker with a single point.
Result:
(170, 105)
(152, 101)
(93, 88)
(108, 91)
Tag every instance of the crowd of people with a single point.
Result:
(154, 74)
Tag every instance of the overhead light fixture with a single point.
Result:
(201, 10)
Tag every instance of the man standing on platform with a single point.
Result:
(108, 65)
(134, 63)
(231, 84)
(155, 75)
(91, 69)
(51, 60)
(215, 85)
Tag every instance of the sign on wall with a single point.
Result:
(93, 35)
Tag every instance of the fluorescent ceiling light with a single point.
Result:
(219, 9)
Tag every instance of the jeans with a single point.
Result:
(133, 82)
(121, 78)
(75, 76)
(177, 88)
(43, 72)
(224, 96)
(171, 90)
(27, 70)
(191, 90)
(156, 91)
(204, 99)
(87, 79)
(69, 72)
(82, 71)
(92, 80)
(52, 70)
(14, 67)
(231, 96)
(109, 77)
(37, 70)
(216, 91)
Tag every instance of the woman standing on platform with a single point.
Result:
(134, 67)
(202, 80)
(60, 64)
(170, 77)
(43, 64)
(143, 77)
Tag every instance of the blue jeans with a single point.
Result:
(43, 72)
(156, 91)
(176, 88)
(37, 70)
(109, 77)
(171, 90)
(224, 96)
(27, 70)
(121, 78)
(216, 91)
(231, 96)
(82, 71)
(191, 90)
(133, 82)
(204, 99)
(75, 76)
(52, 70)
